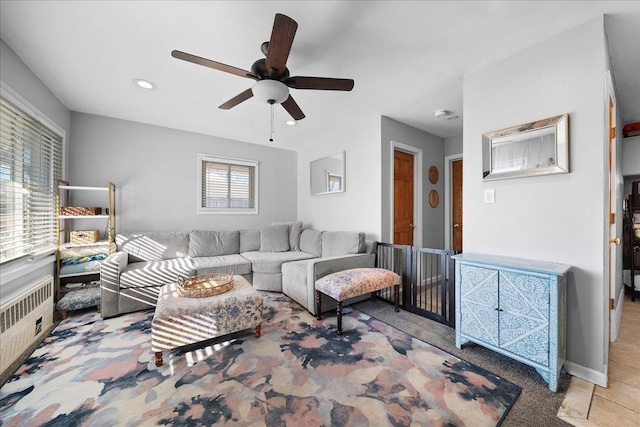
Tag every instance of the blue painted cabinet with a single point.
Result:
(516, 307)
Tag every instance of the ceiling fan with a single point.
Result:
(271, 74)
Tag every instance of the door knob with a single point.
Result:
(412, 226)
(616, 241)
(456, 225)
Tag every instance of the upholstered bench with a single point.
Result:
(180, 321)
(354, 282)
(78, 299)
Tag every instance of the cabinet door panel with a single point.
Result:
(524, 319)
(479, 300)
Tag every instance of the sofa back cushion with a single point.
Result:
(342, 243)
(274, 238)
(213, 243)
(154, 246)
(295, 230)
(311, 242)
(249, 240)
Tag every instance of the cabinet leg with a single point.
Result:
(64, 315)
(339, 313)
(159, 360)
(258, 329)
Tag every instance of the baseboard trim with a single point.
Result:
(587, 374)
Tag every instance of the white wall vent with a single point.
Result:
(24, 319)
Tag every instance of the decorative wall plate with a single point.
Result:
(434, 199)
(433, 174)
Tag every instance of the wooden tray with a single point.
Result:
(205, 285)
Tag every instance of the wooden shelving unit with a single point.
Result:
(69, 249)
(631, 242)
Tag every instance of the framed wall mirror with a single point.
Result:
(530, 149)
(328, 174)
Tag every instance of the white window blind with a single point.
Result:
(227, 185)
(30, 164)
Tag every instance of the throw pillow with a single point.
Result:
(295, 230)
(274, 238)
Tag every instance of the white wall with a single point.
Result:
(453, 145)
(358, 208)
(631, 156)
(21, 79)
(559, 218)
(155, 173)
(18, 277)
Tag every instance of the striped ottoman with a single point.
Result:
(180, 321)
(355, 282)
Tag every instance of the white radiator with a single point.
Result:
(24, 319)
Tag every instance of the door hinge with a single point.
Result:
(613, 133)
(612, 304)
(612, 218)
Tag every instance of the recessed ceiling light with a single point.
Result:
(291, 122)
(441, 113)
(145, 84)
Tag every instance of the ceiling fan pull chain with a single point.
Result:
(272, 104)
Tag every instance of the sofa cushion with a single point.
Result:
(228, 264)
(295, 230)
(156, 273)
(271, 262)
(274, 238)
(205, 243)
(342, 243)
(154, 246)
(249, 240)
(311, 242)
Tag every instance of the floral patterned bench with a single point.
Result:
(355, 282)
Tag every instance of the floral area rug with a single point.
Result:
(95, 372)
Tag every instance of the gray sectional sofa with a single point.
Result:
(281, 258)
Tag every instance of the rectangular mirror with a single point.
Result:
(530, 149)
(327, 174)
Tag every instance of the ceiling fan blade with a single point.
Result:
(293, 109)
(319, 83)
(284, 29)
(213, 64)
(241, 97)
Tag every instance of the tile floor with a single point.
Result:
(618, 405)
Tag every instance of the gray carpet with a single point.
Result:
(537, 405)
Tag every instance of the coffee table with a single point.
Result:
(180, 321)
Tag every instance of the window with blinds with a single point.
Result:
(30, 164)
(227, 185)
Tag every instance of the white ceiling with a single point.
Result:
(408, 59)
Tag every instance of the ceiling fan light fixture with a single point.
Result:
(270, 91)
(144, 84)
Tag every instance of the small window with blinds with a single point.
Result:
(227, 186)
(30, 164)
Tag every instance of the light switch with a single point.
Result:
(490, 196)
